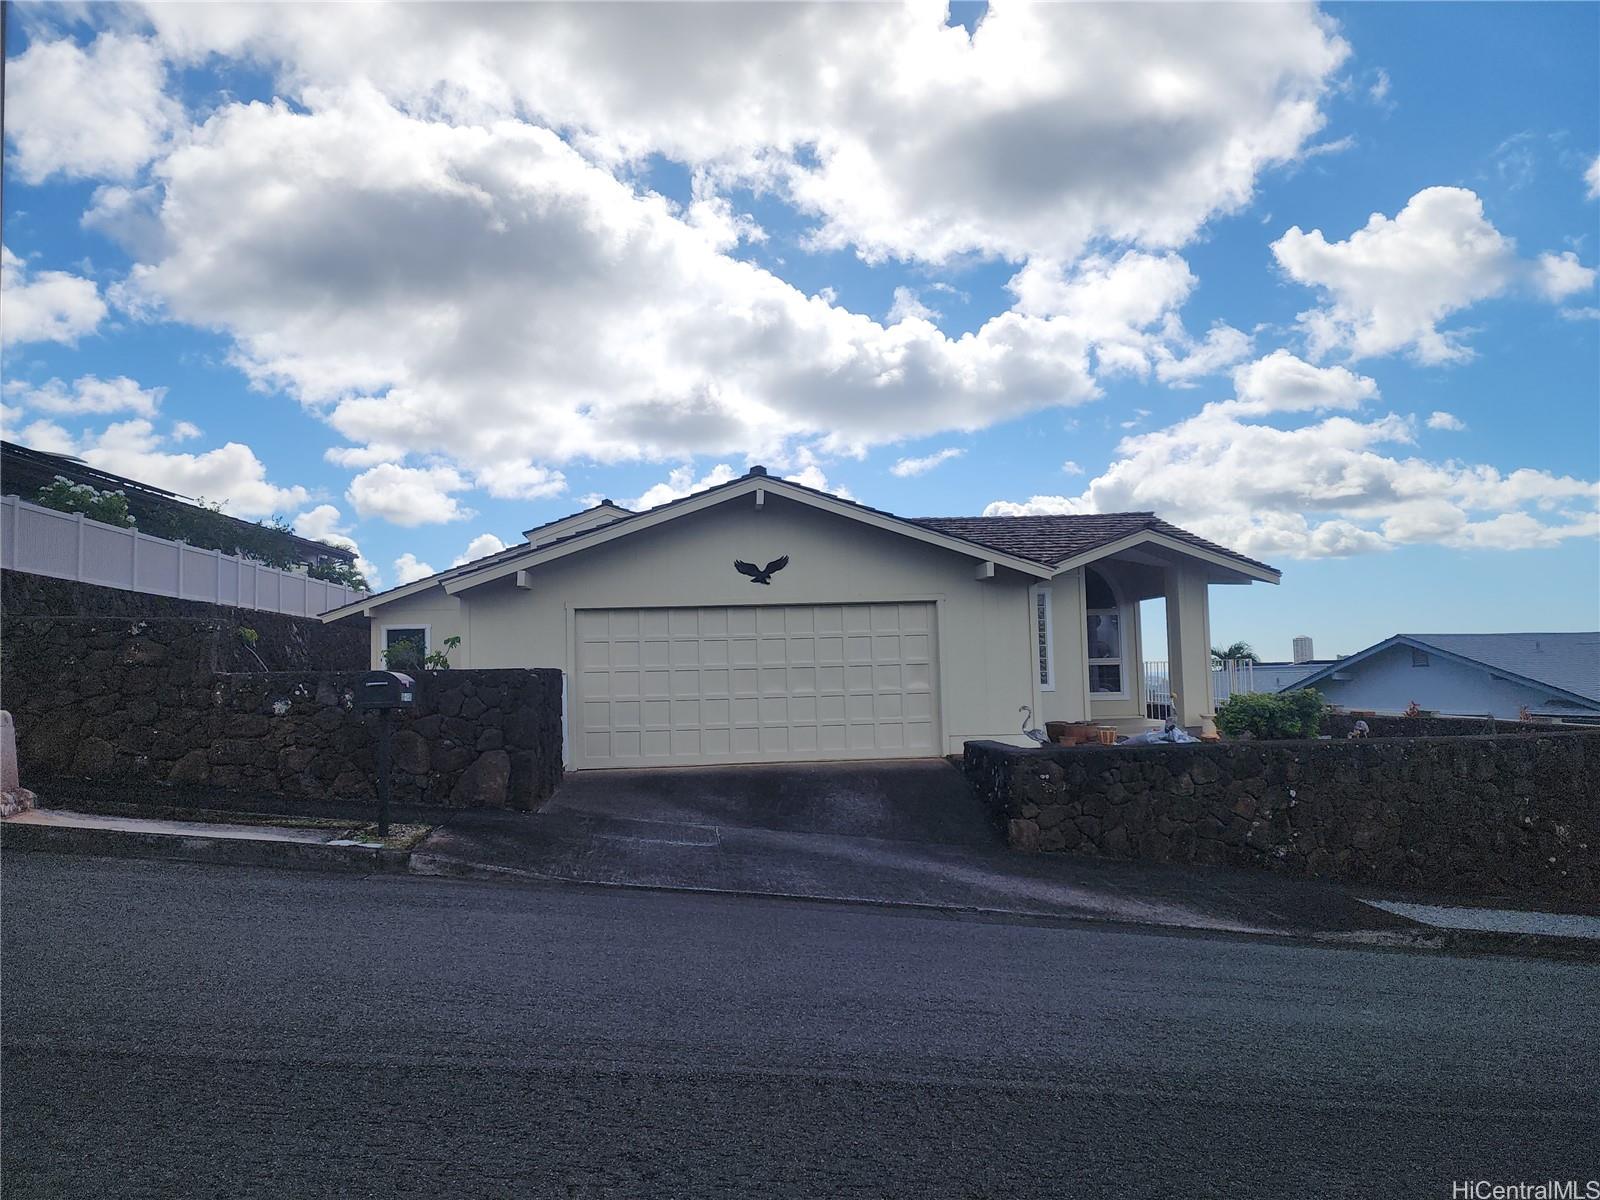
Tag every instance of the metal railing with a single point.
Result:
(42, 541)
(1228, 678)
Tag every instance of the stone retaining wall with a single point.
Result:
(145, 694)
(484, 738)
(1466, 815)
(66, 621)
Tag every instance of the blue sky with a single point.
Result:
(413, 300)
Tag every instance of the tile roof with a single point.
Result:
(1050, 539)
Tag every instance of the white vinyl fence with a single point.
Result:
(43, 541)
(1233, 677)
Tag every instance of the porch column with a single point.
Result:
(1189, 647)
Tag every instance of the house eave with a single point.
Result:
(1151, 537)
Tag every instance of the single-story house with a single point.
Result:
(761, 620)
(1469, 674)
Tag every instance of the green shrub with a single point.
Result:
(1264, 715)
(109, 508)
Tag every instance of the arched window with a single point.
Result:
(1104, 635)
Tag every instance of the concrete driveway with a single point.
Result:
(906, 832)
(905, 800)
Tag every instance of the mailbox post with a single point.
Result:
(385, 692)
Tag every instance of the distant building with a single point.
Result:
(1282, 676)
(1552, 675)
(1302, 650)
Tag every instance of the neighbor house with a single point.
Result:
(761, 620)
(1547, 675)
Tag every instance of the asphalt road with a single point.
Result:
(179, 1030)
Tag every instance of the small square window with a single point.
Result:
(1419, 658)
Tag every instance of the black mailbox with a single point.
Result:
(386, 689)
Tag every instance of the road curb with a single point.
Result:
(314, 856)
(238, 852)
(1422, 939)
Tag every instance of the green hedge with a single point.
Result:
(1267, 715)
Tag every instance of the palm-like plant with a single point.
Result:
(1238, 652)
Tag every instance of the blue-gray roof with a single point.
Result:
(1563, 662)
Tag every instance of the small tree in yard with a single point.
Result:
(1263, 715)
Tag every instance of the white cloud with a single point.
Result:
(921, 466)
(1326, 487)
(46, 306)
(548, 312)
(481, 546)
(1052, 126)
(1071, 468)
(1223, 346)
(1444, 420)
(185, 431)
(1127, 308)
(520, 481)
(47, 436)
(230, 475)
(1390, 284)
(908, 306)
(409, 495)
(324, 523)
(1379, 91)
(1591, 179)
(1558, 276)
(100, 112)
(680, 482)
(90, 394)
(1280, 382)
(408, 569)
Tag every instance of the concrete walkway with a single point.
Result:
(907, 833)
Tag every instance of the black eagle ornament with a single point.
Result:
(760, 574)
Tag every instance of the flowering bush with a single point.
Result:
(109, 508)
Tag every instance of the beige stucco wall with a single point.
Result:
(984, 633)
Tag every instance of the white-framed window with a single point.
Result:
(1044, 633)
(1104, 640)
(395, 637)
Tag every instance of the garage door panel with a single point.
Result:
(779, 682)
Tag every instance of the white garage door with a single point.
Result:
(667, 686)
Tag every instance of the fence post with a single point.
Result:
(78, 529)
